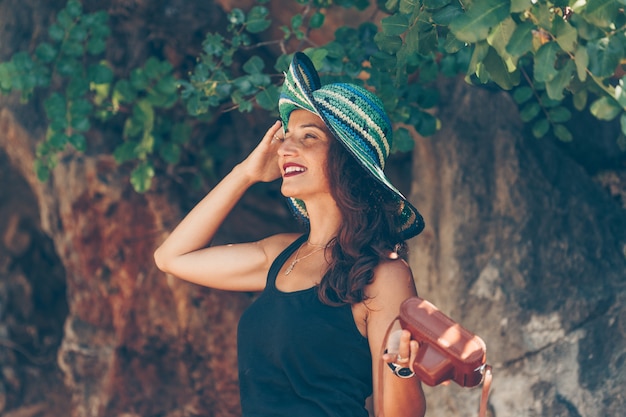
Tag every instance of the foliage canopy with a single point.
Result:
(552, 56)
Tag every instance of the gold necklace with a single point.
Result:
(296, 260)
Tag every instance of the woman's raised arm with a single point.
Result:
(240, 267)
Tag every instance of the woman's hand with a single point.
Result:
(262, 163)
(401, 349)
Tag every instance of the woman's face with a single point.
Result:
(303, 156)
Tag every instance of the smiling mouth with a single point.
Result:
(292, 170)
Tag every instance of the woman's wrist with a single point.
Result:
(242, 174)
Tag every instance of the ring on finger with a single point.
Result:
(400, 359)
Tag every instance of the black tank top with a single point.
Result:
(299, 357)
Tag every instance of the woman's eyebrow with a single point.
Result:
(309, 125)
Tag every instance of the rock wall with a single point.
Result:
(525, 249)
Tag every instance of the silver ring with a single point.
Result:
(400, 359)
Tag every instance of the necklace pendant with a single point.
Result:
(290, 267)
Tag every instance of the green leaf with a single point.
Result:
(139, 79)
(80, 124)
(519, 6)
(428, 124)
(56, 32)
(559, 114)
(213, 44)
(58, 140)
(41, 170)
(74, 8)
(586, 30)
(562, 133)
(77, 87)
(236, 17)
(562, 80)
(245, 107)
(68, 67)
(256, 21)
(79, 142)
(408, 6)
(96, 46)
(100, 73)
(522, 94)
(499, 72)
(545, 59)
(317, 20)
(55, 106)
(296, 21)
(154, 68)
(170, 152)
(392, 5)
(580, 100)
(540, 128)
(581, 60)
(435, 4)
(605, 55)
(254, 65)
(601, 12)
(566, 35)
(500, 38)
(402, 141)
(474, 25)
(7, 69)
(141, 177)
(622, 122)
(124, 92)
(125, 152)
(521, 40)
(530, 111)
(72, 48)
(80, 108)
(181, 133)
(605, 108)
(77, 33)
(395, 25)
(45, 52)
(481, 49)
(447, 14)
(388, 44)
(268, 98)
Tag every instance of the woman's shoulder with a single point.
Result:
(393, 279)
(273, 245)
(390, 270)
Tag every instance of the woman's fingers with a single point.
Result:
(401, 349)
(273, 132)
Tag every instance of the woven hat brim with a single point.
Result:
(301, 81)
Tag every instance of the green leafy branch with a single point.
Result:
(547, 53)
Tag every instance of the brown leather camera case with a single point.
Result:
(447, 350)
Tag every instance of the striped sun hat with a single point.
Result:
(357, 119)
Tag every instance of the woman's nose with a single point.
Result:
(287, 147)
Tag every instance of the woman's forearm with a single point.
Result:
(199, 227)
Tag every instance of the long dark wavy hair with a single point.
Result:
(367, 234)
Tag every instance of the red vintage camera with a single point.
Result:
(447, 350)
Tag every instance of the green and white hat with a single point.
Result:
(356, 118)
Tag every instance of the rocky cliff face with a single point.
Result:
(521, 246)
(527, 250)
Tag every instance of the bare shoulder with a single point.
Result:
(393, 282)
(275, 244)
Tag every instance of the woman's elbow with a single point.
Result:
(160, 259)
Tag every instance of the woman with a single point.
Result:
(310, 345)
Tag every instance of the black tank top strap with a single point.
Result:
(282, 258)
